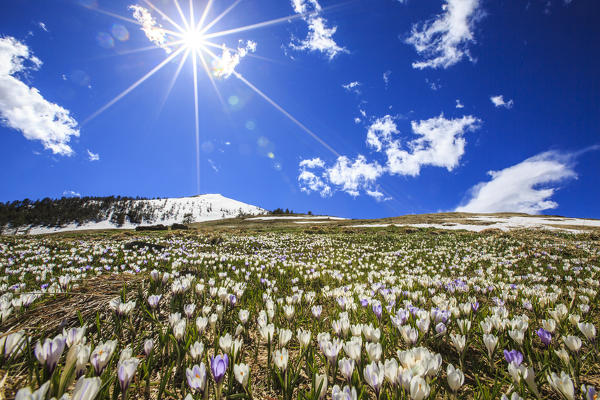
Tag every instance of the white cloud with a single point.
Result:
(380, 132)
(459, 104)
(525, 187)
(310, 182)
(320, 37)
(23, 108)
(71, 193)
(352, 87)
(440, 143)
(43, 26)
(93, 156)
(312, 163)
(153, 31)
(225, 65)
(386, 77)
(499, 102)
(444, 40)
(351, 176)
(357, 120)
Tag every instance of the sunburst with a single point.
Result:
(191, 39)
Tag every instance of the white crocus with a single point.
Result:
(562, 384)
(456, 378)
(242, 373)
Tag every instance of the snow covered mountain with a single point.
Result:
(206, 207)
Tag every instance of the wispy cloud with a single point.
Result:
(444, 40)
(525, 187)
(153, 31)
(440, 142)
(93, 156)
(212, 165)
(320, 37)
(71, 193)
(352, 87)
(386, 77)
(224, 66)
(23, 108)
(459, 104)
(43, 26)
(500, 102)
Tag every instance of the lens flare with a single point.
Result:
(190, 39)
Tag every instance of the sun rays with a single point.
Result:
(191, 40)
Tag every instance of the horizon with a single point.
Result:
(352, 109)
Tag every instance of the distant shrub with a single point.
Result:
(151, 228)
(178, 227)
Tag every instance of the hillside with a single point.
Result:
(47, 215)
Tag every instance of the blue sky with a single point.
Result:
(363, 108)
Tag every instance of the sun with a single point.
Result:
(193, 40)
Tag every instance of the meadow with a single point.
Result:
(302, 313)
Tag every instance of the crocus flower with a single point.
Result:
(545, 336)
(284, 337)
(153, 300)
(196, 350)
(440, 328)
(303, 338)
(316, 311)
(490, 341)
(343, 394)
(346, 367)
(218, 366)
(513, 357)
(148, 345)
(390, 370)
(589, 392)
(562, 384)
(26, 394)
(377, 310)
(573, 343)
(126, 371)
(374, 351)
(374, 374)
(50, 351)
(242, 373)
(225, 343)
(189, 309)
(86, 388)
(102, 354)
(75, 336)
(588, 330)
(179, 329)
(321, 381)
(281, 359)
(12, 343)
(244, 315)
(196, 377)
(456, 378)
(419, 389)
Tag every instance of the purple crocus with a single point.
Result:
(545, 336)
(364, 302)
(218, 367)
(591, 393)
(513, 357)
(377, 310)
(475, 306)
